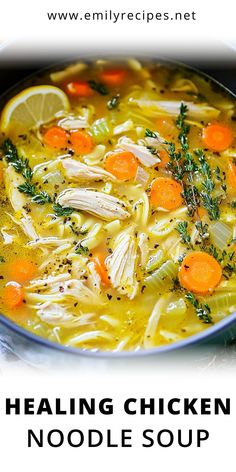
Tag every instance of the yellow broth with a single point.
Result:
(73, 304)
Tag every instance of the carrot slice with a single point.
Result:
(79, 89)
(164, 156)
(21, 270)
(200, 272)
(166, 193)
(81, 142)
(99, 262)
(56, 137)
(232, 174)
(113, 77)
(217, 137)
(122, 165)
(13, 295)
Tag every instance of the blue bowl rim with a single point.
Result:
(192, 341)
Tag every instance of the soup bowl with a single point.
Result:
(223, 332)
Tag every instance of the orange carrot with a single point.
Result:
(81, 142)
(232, 174)
(56, 137)
(79, 89)
(217, 137)
(13, 295)
(113, 77)
(200, 272)
(21, 270)
(166, 193)
(99, 262)
(202, 212)
(164, 156)
(122, 165)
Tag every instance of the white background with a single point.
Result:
(26, 32)
(25, 24)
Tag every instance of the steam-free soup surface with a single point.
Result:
(118, 197)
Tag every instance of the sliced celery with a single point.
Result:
(101, 129)
(221, 234)
(155, 261)
(162, 277)
(221, 301)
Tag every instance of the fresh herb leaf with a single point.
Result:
(98, 87)
(20, 165)
(181, 117)
(150, 134)
(2, 259)
(211, 204)
(182, 229)
(27, 188)
(41, 198)
(113, 102)
(233, 204)
(78, 231)
(202, 230)
(213, 252)
(191, 196)
(229, 269)
(202, 310)
(62, 211)
(79, 249)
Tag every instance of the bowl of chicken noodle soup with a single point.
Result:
(118, 204)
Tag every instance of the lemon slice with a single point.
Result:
(33, 107)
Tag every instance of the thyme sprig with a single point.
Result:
(41, 198)
(203, 232)
(79, 249)
(62, 211)
(150, 134)
(210, 203)
(27, 188)
(22, 167)
(202, 310)
(12, 157)
(182, 229)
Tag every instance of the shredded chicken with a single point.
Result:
(141, 177)
(7, 238)
(26, 224)
(55, 314)
(79, 172)
(100, 204)
(94, 279)
(122, 264)
(200, 111)
(140, 151)
(73, 122)
(49, 281)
